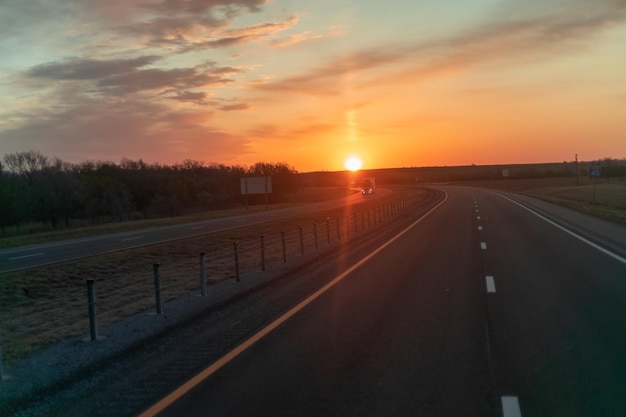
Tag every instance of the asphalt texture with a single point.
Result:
(481, 302)
(418, 331)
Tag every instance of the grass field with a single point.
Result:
(48, 304)
(306, 196)
(44, 305)
(607, 201)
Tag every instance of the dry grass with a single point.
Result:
(48, 304)
(607, 201)
(305, 196)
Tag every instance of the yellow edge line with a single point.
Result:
(207, 372)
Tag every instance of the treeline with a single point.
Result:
(35, 189)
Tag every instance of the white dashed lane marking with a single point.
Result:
(491, 284)
(510, 407)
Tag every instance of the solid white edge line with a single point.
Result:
(558, 226)
(510, 407)
(128, 239)
(26, 256)
(207, 372)
(491, 284)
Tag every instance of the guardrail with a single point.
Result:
(42, 316)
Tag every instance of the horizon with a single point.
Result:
(236, 82)
(50, 159)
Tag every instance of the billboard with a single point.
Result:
(256, 185)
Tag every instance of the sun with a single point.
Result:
(353, 163)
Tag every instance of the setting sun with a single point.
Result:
(353, 163)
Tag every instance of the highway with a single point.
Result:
(481, 307)
(47, 253)
(476, 303)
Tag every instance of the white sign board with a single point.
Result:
(256, 185)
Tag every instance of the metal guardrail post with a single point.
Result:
(262, 252)
(157, 288)
(91, 302)
(338, 229)
(1, 369)
(328, 229)
(203, 274)
(236, 247)
(282, 238)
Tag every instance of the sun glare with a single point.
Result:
(353, 163)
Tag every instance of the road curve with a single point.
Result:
(484, 308)
(487, 306)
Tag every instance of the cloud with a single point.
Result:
(125, 128)
(187, 25)
(327, 79)
(191, 97)
(89, 69)
(198, 6)
(307, 35)
(121, 89)
(512, 35)
(296, 38)
(231, 107)
(157, 79)
(227, 37)
(123, 76)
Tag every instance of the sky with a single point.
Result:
(396, 83)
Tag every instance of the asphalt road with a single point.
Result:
(54, 252)
(484, 307)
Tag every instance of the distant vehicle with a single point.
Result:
(368, 186)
